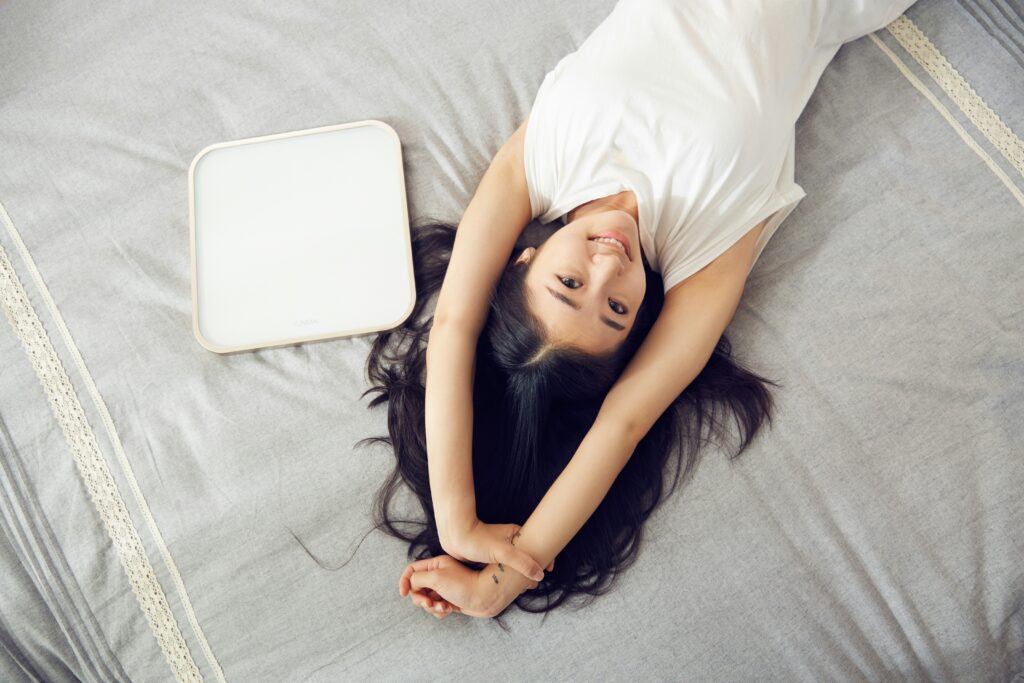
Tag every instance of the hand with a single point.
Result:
(442, 585)
(493, 543)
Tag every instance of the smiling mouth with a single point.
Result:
(616, 240)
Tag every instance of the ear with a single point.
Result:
(526, 255)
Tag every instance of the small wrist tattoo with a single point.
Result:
(495, 578)
(500, 567)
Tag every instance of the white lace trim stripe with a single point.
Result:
(92, 467)
(959, 90)
(963, 95)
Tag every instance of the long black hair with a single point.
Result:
(532, 405)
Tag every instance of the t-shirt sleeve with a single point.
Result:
(848, 20)
(680, 264)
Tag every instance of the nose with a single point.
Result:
(609, 259)
(606, 266)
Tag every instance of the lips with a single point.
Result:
(616, 235)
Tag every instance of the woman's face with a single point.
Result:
(585, 291)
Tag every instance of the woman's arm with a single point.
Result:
(679, 345)
(496, 215)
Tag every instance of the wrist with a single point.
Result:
(498, 586)
(452, 526)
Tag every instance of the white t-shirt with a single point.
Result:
(693, 107)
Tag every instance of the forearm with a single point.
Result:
(448, 414)
(565, 508)
(495, 217)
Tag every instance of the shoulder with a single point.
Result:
(513, 147)
(732, 265)
(510, 160)
(512, 157)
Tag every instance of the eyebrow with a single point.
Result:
(569, 302)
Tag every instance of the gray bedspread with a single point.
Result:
(170, 513)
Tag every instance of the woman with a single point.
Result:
(665, 145)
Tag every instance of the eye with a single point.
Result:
(563, 281)
(573, 283)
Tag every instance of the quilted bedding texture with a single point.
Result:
(152, 494)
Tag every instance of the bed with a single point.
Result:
(168, 513)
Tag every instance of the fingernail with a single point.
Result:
(439, 608)
(538, 576)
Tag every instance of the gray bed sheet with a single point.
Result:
(875, 532)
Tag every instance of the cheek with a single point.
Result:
(641, 284)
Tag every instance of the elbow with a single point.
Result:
(632, 434)
(454, 322)
(622, 429)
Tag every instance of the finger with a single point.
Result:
(425, 563)
(433, 581)
(430, 600)
(421, 600)
(403, 582)
(439, 609)
(440, 601)
(422, 580)
(551, 567)
(522, 563)
(430, 580)
(426, 598)
(435, 607)
(518, 559)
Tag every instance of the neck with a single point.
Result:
(623, 201)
